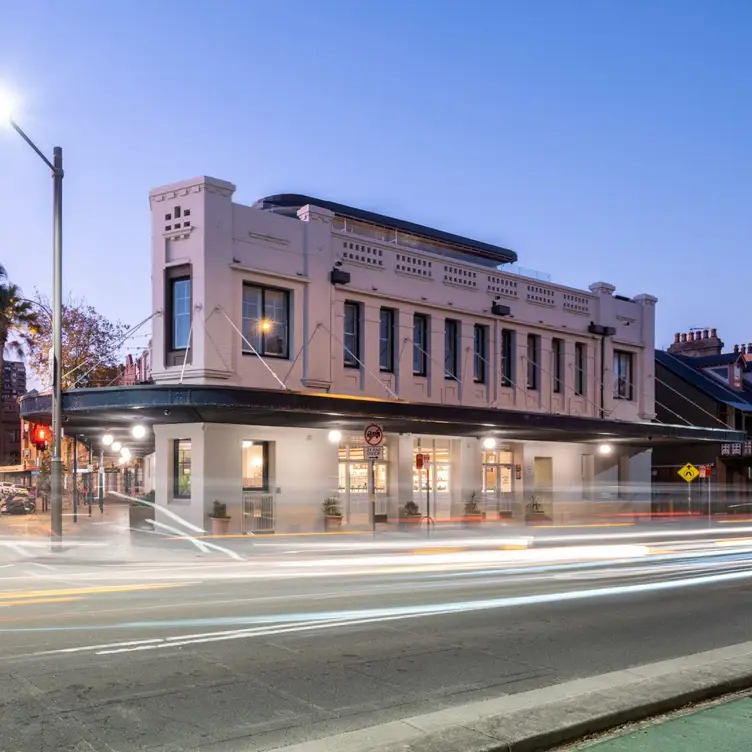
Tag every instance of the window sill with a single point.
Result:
(180, 500)
(352, 366)
(420, 375)
(266, 355)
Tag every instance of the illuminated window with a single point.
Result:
(255, 462)
(266, 314)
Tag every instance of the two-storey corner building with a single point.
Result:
(283, 329)
(302, 294)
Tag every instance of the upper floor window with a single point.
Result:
(480, 353)
(352, 335)
(533, 361)
(420, 344)
(623, 375)
(180, 306)
(387, 321)
(266, 321)
(557, 351)
(451, 348)
(507, 356)
(580, 369)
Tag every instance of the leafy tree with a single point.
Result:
(18, 320)
(91, 345)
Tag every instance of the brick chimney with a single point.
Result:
(697, 344)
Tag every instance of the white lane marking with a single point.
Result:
(354, 618)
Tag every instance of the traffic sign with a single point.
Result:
(374, 452)
(689, 472)
(373, 435)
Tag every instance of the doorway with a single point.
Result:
(543, 482)
(497, 484)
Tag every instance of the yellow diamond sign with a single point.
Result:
(689, 472)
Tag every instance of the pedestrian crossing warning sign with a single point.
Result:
(689, 472)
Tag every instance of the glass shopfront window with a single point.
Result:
(435, 475)
(353, 474)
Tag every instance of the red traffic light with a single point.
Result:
(40, 437)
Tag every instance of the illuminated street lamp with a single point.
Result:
(7, 113)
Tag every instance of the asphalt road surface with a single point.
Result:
(289, 644)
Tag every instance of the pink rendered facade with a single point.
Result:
(252, 269)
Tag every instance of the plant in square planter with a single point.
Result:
(220, 521)
(473, 514)
(332, 514)
(409, 516)
(534, 513)
(141, 511)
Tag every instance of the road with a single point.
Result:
(292, 643)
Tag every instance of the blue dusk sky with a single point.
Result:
(603, 140)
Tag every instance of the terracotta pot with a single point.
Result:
(332, 522)
(220, 525)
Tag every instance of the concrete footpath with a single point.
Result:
(722, 727)
(543, 719)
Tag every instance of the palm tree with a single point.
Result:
(17, 317)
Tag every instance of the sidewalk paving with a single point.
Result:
(725, 727)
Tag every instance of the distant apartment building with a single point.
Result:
(14, 387)
(136, 370)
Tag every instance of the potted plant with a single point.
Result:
(473, 513)
(141, 510)
(220, 521)
(409, 516)
(332, 514)
(535, 514)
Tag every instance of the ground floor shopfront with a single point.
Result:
(275, 479)
(273, 457)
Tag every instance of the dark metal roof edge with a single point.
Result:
(289, 200)
(166, 396)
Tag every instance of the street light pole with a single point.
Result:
(56, 521)
(56, 505)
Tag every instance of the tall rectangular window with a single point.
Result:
(266, 321)
(352, 335)
(533, 361)
(480, 353)
(387, 319)
(451, 348)
(181, 469)
(557, 351)
(580, 369)
(508, 346)
(180, 305)
(623, 375)
(420, 344)
(255, 461)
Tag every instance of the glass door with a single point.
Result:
(498, 484)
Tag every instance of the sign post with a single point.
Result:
(374, 436)
(688, 473)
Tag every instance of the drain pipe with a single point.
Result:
(602, 332)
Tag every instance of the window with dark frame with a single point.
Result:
(451, 348)
(255, 465)
(181, 469)
(557, 350)
(623, 375)
(420, 345)
(580, 368)
(266, 321)
(387, 320)
(180, 308)
(352, 335)
(480, 353)
(533, 361)
(507, 356)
